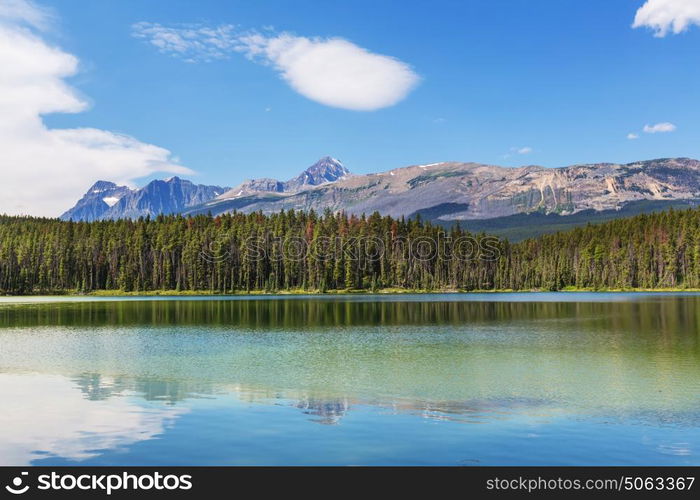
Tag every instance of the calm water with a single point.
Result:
(474, 379)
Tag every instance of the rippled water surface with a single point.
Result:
(473, 379)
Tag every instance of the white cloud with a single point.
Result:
(659, 128)
(44, 170)
(664, 16)
(525, 150)
(332, 71)
(25, 11)
(632, 136)
(193, 43)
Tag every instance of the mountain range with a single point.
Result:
(444, 192)
(105, 200)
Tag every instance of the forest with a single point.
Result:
(299, 251)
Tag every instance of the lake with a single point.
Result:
(449, 379)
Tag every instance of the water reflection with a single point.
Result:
(349, 380)
(319, 409)
(48, 415)
(662, 315)
(328, 412)
(96, 387)
(92, 418)
(81, 417)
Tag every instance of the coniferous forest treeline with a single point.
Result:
(306, 251)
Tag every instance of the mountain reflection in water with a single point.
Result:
(544, 379)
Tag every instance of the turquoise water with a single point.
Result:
(477, 379)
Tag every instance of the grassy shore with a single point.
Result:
(117, 293)
(383, 291)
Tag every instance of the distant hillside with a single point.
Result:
(522, 226)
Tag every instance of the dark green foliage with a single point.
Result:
(228, 253)
(660, 250)
(238, 253)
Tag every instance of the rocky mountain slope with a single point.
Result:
(105, 200)
(325, 170)
(465, 191)
(99, 199)
(441, 191)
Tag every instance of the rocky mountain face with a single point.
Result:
(106, 200)
(325, 170)
(466, 191)
(99, 199)
(442, 191)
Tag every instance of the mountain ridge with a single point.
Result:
(449, 191)
(96, 201)
(105, 200)
(325, 170)
(478, 191)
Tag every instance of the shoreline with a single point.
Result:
(385, 291)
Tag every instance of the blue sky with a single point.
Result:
(547, 82)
